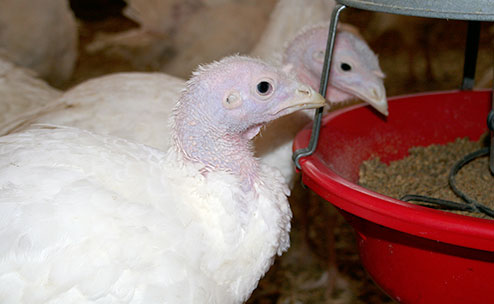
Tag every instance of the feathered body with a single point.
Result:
(136, 227)
(135, 106)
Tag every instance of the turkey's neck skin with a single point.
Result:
(218, 150)
(223, 152)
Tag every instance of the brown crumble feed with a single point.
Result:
(425, 172)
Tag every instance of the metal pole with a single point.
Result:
(490, 125)
(322, 88)
(471, 51)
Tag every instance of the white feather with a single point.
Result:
(113, 221)
(134, 106)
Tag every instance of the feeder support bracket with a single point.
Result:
(490, 125)
(471, 52)
(322, 88)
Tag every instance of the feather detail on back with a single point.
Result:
(122, 104)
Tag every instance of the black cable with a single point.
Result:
(452, 182)
(449, 205)
(472, 205)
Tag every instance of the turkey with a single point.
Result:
(21, 93)
(108, 104)
(40, 35)
(88, 218)
(355, 72)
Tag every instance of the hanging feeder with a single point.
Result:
(415, 254)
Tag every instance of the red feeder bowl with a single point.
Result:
(415, 254)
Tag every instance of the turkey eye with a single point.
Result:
(345, 67)
(264, 88)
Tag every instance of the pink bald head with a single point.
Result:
(355, 71)
(225, 104)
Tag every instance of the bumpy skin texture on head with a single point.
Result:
(248, 94)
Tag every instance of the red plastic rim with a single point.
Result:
(352, 135)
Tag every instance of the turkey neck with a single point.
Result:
(201, 140)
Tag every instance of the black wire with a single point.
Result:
(472, 205)
(452, 182)
(449, 205)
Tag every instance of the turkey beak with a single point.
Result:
(374, 95)
(304, 97)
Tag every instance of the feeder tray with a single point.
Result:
(479, 10)
(415, 254)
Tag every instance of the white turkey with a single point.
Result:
(88, 218)
(40, 35)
